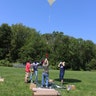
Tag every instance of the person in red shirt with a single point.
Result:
(27, 71)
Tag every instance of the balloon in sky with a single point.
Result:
(51, 2)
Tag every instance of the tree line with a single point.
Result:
(19, 43)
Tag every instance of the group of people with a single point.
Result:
(32, 69)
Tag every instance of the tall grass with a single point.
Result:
(14, 85)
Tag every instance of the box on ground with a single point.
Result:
(70, 87)
(45, 92)
(32, 85)
(1, 79)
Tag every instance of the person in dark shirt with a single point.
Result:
(61, 65)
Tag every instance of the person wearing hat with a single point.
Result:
(61, 65)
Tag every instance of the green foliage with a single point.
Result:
(5, 40)
(20, 34)
(92, 65)
(5, 62)
(19, 43)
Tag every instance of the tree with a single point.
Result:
(5, 40)
(20, 34)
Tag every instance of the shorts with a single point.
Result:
(27, 74)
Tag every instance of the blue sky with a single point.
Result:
(76, 18)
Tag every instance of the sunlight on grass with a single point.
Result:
(14, 85)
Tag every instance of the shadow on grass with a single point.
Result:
(68, 80)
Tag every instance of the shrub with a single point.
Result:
(5, 63)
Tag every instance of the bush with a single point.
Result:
(5, 63)
(92, 65)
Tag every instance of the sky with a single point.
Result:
(76, 18)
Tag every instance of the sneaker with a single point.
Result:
(42, 86)
(46, 86)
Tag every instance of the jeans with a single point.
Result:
(36, 76)
(45, 78)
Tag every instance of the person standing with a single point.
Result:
(45, 73)
(35, 71)
(27, 71)
(61, 65)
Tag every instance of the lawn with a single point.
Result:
(85, 82)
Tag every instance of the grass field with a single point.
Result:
(14, 85)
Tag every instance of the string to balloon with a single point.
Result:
(51, 2)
